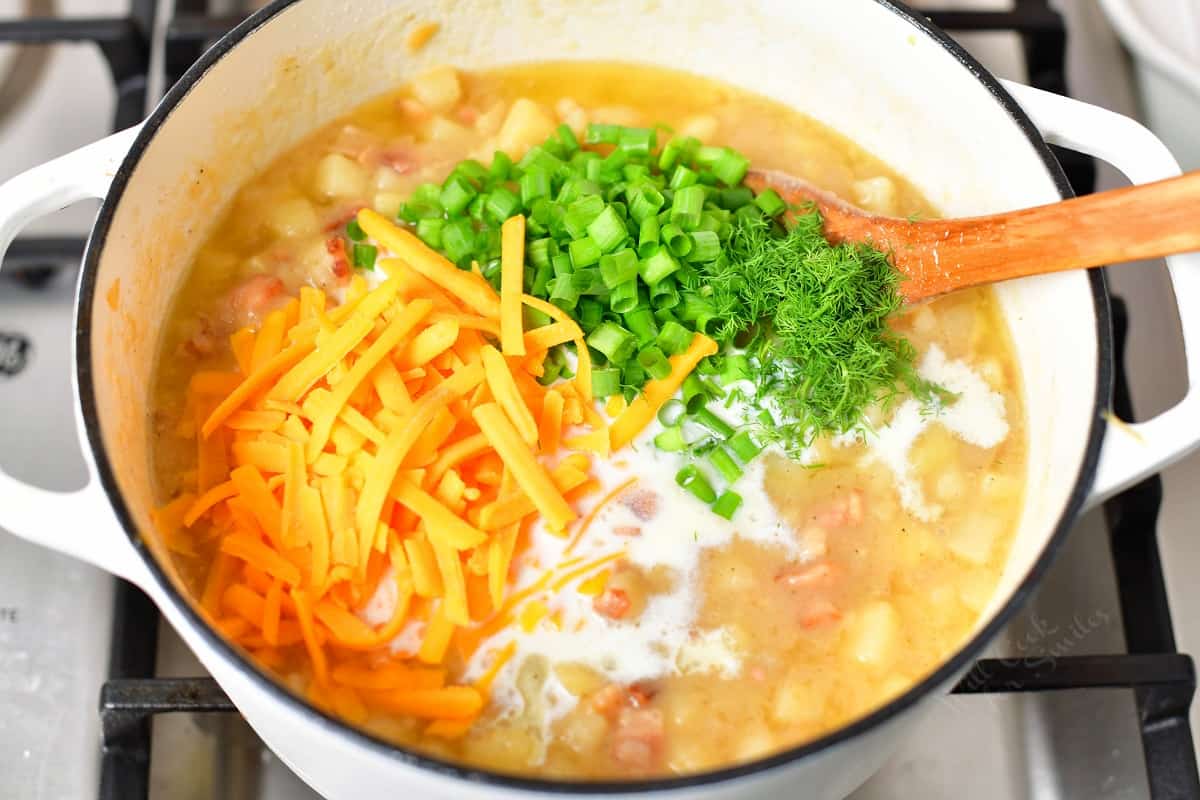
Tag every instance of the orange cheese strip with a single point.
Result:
(430, 343)
(548, 336)
(384, 677)
(455, 454)
(504, 389)
(454, 597)
(468, 322)
(500, 552)
(467, 287)
(281, 363)
(395, 332)
(255, 552)
(256, 420)
(315, 652)
(657, 392)
(241, 342)
(206, 501)
(530, 475)
(515, 506)
(550, 425)
(427, 579)
(390, 387)
(253, 491)
(316, 530)
(450, 703)
(269, 341)
(441, 524)
(512, 279)
(438, 634)
(300, 378)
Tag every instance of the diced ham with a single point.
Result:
(253, 300)
(609, 699)
(414, 109)
(339, 217)
(402, 160)
(642, 502)
(818, 613)
(627, 530)
(847, 510)
(639, 695)
(352, 141)
(336, 246)
(638, 738)
(204, 341)
(612, 603)
(467, 114)
(805, 575)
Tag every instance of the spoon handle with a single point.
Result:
(1129, 224)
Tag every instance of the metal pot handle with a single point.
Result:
(80, 524)
(1131, 451)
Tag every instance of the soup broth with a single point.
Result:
(669, 641)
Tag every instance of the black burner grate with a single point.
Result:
(1162, 679)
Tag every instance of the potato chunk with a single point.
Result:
(439, 88)
(527, 124)
(875, 634)
(340, 177)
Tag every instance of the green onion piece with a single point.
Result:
(671, 413)
(645, 203)
(563, 293)
(678, 242)
(457, 194)
(581, 213)
(354, 231)
(744, 447)
(502, 204)
(606, 381)
(637, 141)
(429, 231)
(736, 367)
(616, 343)
(472, 170)
(561, 264)
(658, 266)
(655, 362)
(542, 276)
(724, 464)
(584, 252)
(641, 323)
(567, 137)
(748, 212)
(664, 295)
(664, 315)
(632, 374)
(673, 338)
(727, 504)
(534, 184)
(683, 177)
(501, 167)
(618, 268)
(693, 480)
(611, 168)
(687, 206)
(364, 256)
(635, 173)
(588, 281)
(607, 230)
(539, 251)
(601, 133)
(695, 393)
(765, 419)
(770, 203)
(477, 207)
(731, 167)
(648, 235)
(624, 297)
(551, 371)
(705, 247)
(591, 314)
(734, 197)
(540, 157)
(533, 318)
(458, 240)
(670, 440)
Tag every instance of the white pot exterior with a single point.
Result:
(862, 67)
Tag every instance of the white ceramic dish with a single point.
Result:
(870, 69)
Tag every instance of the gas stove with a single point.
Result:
(1084, 696)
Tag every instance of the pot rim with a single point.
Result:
(946, 672)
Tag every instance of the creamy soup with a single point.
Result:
(649, 636)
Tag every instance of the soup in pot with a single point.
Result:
(519, 466)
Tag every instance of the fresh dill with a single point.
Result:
(817, 318)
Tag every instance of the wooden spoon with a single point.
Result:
(941, 255)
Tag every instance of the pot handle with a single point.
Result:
(80, 524)
(1131, 451)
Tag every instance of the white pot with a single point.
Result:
(871, 70)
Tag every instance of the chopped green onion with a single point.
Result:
(734, 197)
(695, 393)
(670, 440)
(727, 504)
(542, 276)
(641, 323)
(551, 370)
(618, 268)
(591, 314)
(678, 242)
(658, 266)
(682, 177)
(563, 292)
(770, 203)
(731, 167)
(606, 381)
(693, 480)
(624, 297)
(458, 240)
(539, 251)
(673, 338)
(616, 343)
(584, 252)
(655, 362)
(567, 137)
(364, 256)
(648, 234)
(607, 230)
(354, 231)
(502, 204)
(632, 374)
(671, 413)
(636, 141)
(724, 464)
(580, 214)
(501, 167)
(646, 203)
(429, 231)
(600, 133)
(705, 247)
(533, 318)
(687, 206)
(457, 194)
(534, 184)
(744, 446)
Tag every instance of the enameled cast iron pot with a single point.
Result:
(871, 69)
